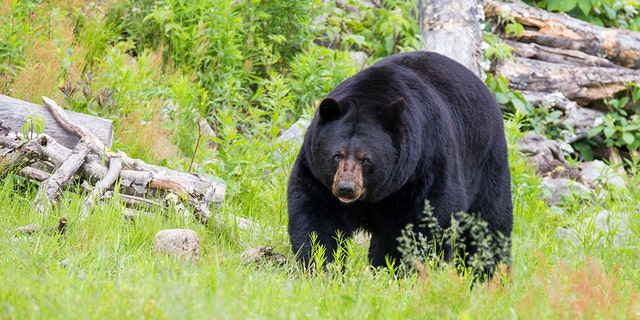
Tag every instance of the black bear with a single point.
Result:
(413, 127)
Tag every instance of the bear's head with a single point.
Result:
(356, 147)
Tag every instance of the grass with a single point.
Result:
(103, 266)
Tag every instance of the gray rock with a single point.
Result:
(261, 255)
(611, 225)
(295, 132)
(179, 242)
(581, 119)
(542, 151)
(360, 58)
(570, 236)
(563, 187)
(596, 174)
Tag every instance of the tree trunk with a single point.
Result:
(14, 113)
(452, 28)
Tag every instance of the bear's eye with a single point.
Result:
(337, 157)
(365, 161)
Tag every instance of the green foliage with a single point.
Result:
(465, 229)
(621, 125)
(34, 125)
(547, 121)
(359, 26)
(497, 50)
(511, 99)
(15, 29)
(606, 13)
(509, 23)
(416, 246)
(314, 72)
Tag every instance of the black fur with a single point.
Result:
(431, 131)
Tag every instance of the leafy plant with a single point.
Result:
(496, 49)
(509, 23)
(380, 31)
(465, 229)
(618, 127)
(608, 13)
(513, 100)
(34, 125)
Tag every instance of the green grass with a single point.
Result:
(103, 267)
(203, 68)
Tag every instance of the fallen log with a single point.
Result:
(582, 84)
(14, 112)
(561, 56)
(87, 159)
(555, 52)
(558, 30)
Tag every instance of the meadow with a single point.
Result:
(251, 69)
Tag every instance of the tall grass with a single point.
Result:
(104, 267)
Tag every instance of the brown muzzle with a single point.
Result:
(347, 183)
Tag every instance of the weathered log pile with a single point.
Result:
(90, 162)
(578, 64)
(559, 63)
(555, 52)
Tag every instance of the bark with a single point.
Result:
(555, 52)
(115, 167)
(452, 28)
(51, 188)
(554, 55)
(582, 84)
(558, 30)
(13, 114)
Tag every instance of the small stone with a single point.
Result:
(360, 58)
(596, 173)
(180, 242)
(295, 132)
(562, 187)
(569, 235)
(262, 255)
(612, 224)
(28, 229)
(537, 144)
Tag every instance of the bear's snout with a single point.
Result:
(348, 182)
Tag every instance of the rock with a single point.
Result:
(295, 132)
(581, 119)
(544, 154)
(611, 224)
(563, 187)
(596, 174)
(570, 236)
(180, 242)
(28, 229)
(262, 255)
(360, 58)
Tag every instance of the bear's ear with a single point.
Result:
(330, 109)
(392, 112)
